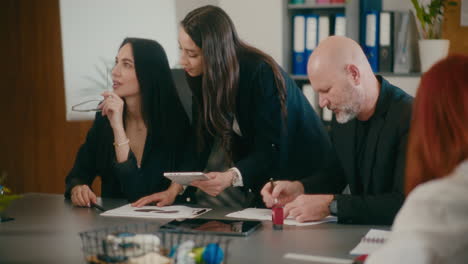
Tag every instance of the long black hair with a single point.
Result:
(214, 33)
(161, 108)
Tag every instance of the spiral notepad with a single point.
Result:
(370, 242)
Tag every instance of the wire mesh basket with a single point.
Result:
(147, 243)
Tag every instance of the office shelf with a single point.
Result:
(299, 77)
(396, 74)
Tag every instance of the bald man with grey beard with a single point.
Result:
(369, 133)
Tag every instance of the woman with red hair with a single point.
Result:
(432, 226)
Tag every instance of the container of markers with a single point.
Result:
(146, 243)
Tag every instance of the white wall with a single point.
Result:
(259, 23)
(407, 84)
(183, 7)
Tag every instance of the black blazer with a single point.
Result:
(267, 148)
(382, 195)
(96, 157)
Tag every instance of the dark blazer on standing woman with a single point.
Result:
(266, 148)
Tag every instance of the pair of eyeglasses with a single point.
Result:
(87, 106)
(92, 105)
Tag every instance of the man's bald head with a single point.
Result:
(333, 54)
(341, 75)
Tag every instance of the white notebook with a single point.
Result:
(265, 215)
(370, 242)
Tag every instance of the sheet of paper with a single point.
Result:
(166, 212)
(370, 242)
(265, 215)
(317, 259)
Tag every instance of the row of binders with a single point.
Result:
(308, 31)
(391, 41)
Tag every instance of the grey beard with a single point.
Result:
(345, 116)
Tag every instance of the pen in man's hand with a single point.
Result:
(272, 186)
(199, 212)
(97, 206)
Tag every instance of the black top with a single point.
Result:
(362, 130)
(266, 148)
(372, 156)
(123, 180)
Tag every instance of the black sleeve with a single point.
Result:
(134, 182)
(84, 170)
(332, 172)
(379, 209)
(329, 180)
(268, 123)
(187, 160)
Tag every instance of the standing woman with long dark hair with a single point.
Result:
(249, 106)
(140, 133)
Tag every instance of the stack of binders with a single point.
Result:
(308, 31)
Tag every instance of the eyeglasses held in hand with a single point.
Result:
(92, 105)
(87, 106)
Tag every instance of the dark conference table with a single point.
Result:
(46, 227)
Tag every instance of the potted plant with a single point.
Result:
(429, 14)
(5, 199)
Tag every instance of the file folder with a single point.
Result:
(340, 25)
(371, 47)
(366, 6)
(324, 27)
(386, 42)
(405, 43)
(299, 52)
(311, 34)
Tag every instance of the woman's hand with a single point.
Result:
(216, 184)
(112, 107)
(81, 195)
(164, 198)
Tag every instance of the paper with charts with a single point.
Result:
(265, 214)
(166, 212)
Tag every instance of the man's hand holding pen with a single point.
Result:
(283, 191)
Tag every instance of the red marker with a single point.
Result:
(277, 215)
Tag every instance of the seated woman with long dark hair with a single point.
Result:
(140, 133)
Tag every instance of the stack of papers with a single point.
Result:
(265, 215)
(373, 240)
(166, 212)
